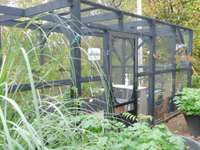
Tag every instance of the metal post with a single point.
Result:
(152, 70)
(140, 41)
(135, 73)
(123, 54)
(0, 37)
(1, 51)
(173, 50)
(75, 42)
(108, 74)
(121, 21)
(189, 72)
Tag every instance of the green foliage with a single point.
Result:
(196, 81)
(91, 133)
(157, 137)
(58, 128)
(189, 101)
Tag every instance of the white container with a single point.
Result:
(126, 79)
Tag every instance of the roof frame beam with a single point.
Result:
(20, 24)
(82, 10)
(7, 17)
(47, 7)
(12, 11)
(88, 9)
(100, 17)
(46, 27)
(132, 24)
(105, 27)
(61, 28)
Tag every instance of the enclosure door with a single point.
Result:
(123, 71)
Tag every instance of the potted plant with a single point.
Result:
(188, 102)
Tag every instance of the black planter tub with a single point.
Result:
(193, 123)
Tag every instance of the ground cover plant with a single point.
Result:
(196, 81)
(68, 128)
(188, 102)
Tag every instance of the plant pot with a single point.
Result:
(191, 144)
(193, 122)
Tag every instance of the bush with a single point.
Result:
(189, 101)
(59, 128)
(91, 133)
(196, 81)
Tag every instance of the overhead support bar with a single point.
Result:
(12, 11)
(99, 6)
(132, 24)
(132, 27)
(82, 10)
(105, 27)
(50, 84)
(138, 23)
(101, 17)
(50, 6)
(63, 27)
(88, 9)
(49, 27)
(7, 17)
(20, 24)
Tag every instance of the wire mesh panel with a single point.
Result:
(183, 57)
(165, 47)
(122, 61)
(91, 67)
(163, 93)
(143, 71)
(143, 94)
(54, 58)
(93, 96)
(143, 55)
(122, 67)
(181, 80)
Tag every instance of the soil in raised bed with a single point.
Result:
(179, 126)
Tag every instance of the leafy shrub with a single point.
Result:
(91, 133)
(196, 81)
(87, 132)
(61, 129)
(189, 101)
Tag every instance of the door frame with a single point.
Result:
(134, 98)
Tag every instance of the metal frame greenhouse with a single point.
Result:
(157, 63)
